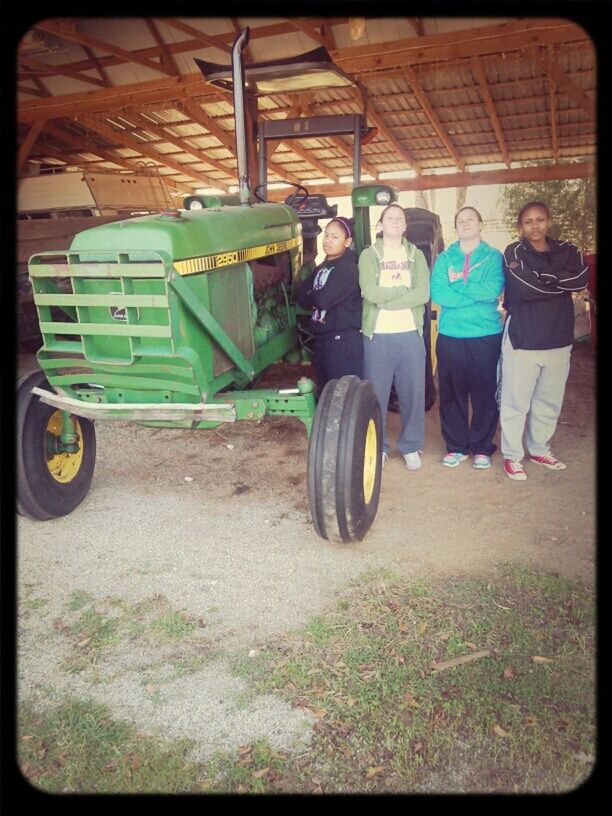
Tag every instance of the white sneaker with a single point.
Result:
(413, 460)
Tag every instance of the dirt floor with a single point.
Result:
(216, 525)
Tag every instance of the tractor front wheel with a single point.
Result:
(345, 460)
(50, 482)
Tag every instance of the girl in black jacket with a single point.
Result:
(540, 275)
(332, 292)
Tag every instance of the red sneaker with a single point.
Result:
(514, 470)
(548, 461)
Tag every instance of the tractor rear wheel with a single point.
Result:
(345, 460)
(50, 483)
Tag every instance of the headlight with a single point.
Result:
(383, 197)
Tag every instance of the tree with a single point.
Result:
(572, 203)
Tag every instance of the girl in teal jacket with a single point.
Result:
(466, 282)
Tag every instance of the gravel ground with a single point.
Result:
(215, 524)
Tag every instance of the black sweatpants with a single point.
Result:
(336, 355)
(467, 371)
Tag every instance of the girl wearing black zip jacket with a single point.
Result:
(332, 293)
(540, 275)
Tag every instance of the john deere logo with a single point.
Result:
(119, 312)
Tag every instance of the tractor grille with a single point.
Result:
(230, 305)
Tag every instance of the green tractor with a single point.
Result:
(168, 320)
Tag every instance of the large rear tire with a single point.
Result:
(49, 484)
(345, 460)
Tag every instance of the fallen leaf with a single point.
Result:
(201, 623)
(499, 731)
(151, 688)
(457, 661)
(27, 737)
(582, 757)
(418, 748)
(185, 615)
(84, 642)
(410, 700)
(508, 673)
(372, 772)
(350, 701)
(531, 720)
(469, 644)
(260, 773)
(318, 712)
(244, 749)
(136, 763)
(539, 659)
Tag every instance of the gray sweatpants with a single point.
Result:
(532, 390)
(399, 359)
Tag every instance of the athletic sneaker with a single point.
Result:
(413, 460)
(548, 461)
(514, 470)
(453, 459)
(481, 461)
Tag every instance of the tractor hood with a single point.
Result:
(193, 233)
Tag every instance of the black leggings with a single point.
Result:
(336, 355)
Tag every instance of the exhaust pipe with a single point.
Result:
(240, 43)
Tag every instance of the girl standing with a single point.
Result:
(394, 280)
(540, 275)
(466, 281)
(332, 293)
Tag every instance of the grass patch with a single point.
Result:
(390, 715)
(78, 599)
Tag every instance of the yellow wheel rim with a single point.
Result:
(63, 467)
(369, 461)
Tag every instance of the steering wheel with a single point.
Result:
(300, 194)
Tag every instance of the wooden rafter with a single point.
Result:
(82, 146)
(25, 148)
(385, 131)
(479, 73)
(166, 55)
(151, 153)
(36, 65)
(446, 180)
(417, 24)
(454, 45)
(162, 132)
(198, 35)
(99, 68)
(306, 26)
(33, 91)
(73, 35)
(433, 117)
(553, 109)
(566, 84)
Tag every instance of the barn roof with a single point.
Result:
(474, 97)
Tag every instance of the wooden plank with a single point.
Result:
(504, 37)
(417, 24)
(74, 35)
(150, 152)
(552, 108)
(385, 131)
(167, 56)
(26, 147)
(448, 180)
(197, 34)
(305, 25)
(567, 85)
(433, 117)
(481, 78)
(99, 67)
(44, 67)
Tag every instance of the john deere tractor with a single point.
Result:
(167, 320)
